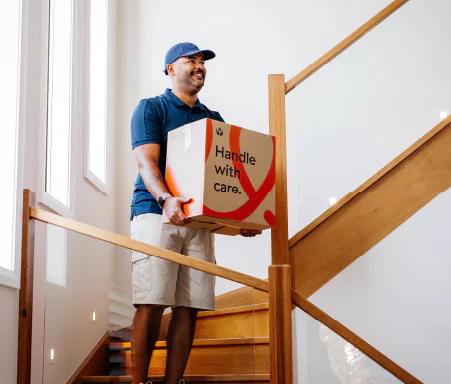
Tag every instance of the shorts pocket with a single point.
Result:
(141, 280)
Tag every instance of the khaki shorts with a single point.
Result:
(162, 282)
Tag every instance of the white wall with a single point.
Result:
(9, 298)
(251, 39)
(372, 102)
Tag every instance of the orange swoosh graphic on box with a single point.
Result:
(208, 138)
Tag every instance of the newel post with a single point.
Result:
(26, 291)
(280, 335)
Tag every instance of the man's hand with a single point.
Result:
(249, 232)
(174, 212)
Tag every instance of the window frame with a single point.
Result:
(89, 176)
(12, 277)
(43, 196)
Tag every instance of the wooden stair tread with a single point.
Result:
(126, 345)
(223, 312)
(228, 311)
(204, 378)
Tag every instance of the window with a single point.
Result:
(57, 177)
(59, 132)
(11, 191)
(98, 56)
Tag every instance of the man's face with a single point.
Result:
(189, 72)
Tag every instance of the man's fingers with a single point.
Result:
(181, 217)
(175, 217)
(250, 232)
(175, 220)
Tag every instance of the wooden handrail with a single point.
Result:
(371, 181)
(125, 242)
(352, 338)
(345, 44)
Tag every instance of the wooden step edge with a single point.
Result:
(204, 378)
(126, 345)
(218, 312)
(233, 310)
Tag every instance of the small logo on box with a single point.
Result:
(219, 131)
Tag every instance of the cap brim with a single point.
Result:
(208, 55)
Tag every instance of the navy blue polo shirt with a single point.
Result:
(152, 120)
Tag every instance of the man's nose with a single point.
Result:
(200, 66)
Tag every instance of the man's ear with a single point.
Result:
(170, 69)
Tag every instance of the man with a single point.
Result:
(157, 283)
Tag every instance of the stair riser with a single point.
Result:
(221, 360)
(160, 381)
(234, 379)
(235, 325)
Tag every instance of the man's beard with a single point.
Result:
(190, 85)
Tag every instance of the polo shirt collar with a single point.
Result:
(179, 103)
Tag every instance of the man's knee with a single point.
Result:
(185, 311)
(149, 309)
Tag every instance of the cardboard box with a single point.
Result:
(227, 171)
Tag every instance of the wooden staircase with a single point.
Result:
(230, 345)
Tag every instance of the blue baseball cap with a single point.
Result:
(185, 49)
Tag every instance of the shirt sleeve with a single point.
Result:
(146, 124)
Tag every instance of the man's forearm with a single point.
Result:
(154, 180)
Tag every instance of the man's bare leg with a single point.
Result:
(179, 342)
(146, 326)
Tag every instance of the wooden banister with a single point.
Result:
(352, 338)
(345, 44)
(125, 242)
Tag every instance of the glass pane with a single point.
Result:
(59, 100)
(232, 340)
(322, 357)
(9, 80)
(56, 255)
(70, 328)
(366, 296)
(227, 341)
(98, 88)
